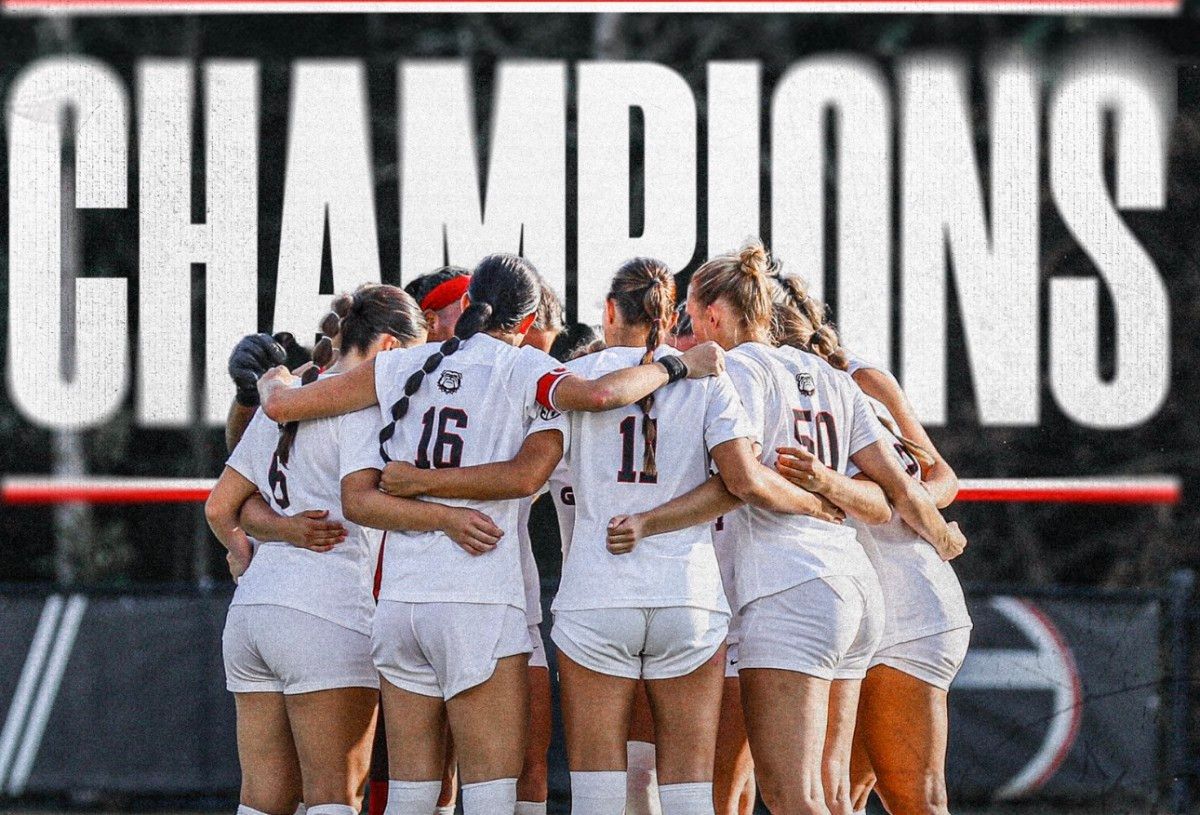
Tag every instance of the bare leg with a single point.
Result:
(596, 710)
(267, 754)
(904, 724)
(489, 722)
(686, 712)
(449, 794)
(733, 770)
(333, 730)
(531, 786)
(839, 741)
(862, 774)
(416, 728)
(786, 714)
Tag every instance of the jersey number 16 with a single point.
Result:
(446, 449)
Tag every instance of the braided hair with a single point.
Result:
(643, 291)
(355, 322)
(504, 290)
(683, 323)
(803, 321)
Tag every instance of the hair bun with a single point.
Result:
(322, 355)
(331, 324)
(341, 305)
(753, 260)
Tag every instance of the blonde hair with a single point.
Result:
(741, 278)
(803, 321)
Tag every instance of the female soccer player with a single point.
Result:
(656, 612)
(439, 294)
(297, 637)
(804, 586)
(532, 785)
(450, 637)
(900, 740)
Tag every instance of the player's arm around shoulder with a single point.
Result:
(519, 477)
(626, 386)
(938, 477)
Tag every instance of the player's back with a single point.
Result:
(335, 585)
(607, 465)
(796, 399)
(475, 408)
(922, 594)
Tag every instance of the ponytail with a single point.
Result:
(504, 291)
(803, 322)
(355, 321)
(287, 432)
(741, 278)
(643, 290)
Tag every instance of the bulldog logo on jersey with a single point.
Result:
(449, 381)
(805, 383)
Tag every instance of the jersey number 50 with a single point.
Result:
(823, 443)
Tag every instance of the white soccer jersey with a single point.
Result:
(564, 503)
(476, 408)
(605, 453)
(921, 592)
(724, 546)
(796, 399)
(335, 585)
(529, 569)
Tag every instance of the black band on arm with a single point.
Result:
(676, 368)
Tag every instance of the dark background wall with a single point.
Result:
(1103, 546)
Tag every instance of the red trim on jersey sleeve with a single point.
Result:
(379, 568)
(546, 386)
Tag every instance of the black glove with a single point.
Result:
(254, 355)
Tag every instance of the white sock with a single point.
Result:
(490, 797)
(598, 793)
(641, 785)
(531, 808)
(301, 809)
(245, 810)
(412, 797)
(332, 809)
(694, 798)
(448, 809)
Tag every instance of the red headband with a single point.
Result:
(443, 294)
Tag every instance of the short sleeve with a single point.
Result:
(865, 428)
(358, 441)
(854, 364)
(747, 381)
(252, 456)
(724, 416)
(540, 375)
(387, 374)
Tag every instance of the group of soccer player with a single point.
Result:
(755, 597)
